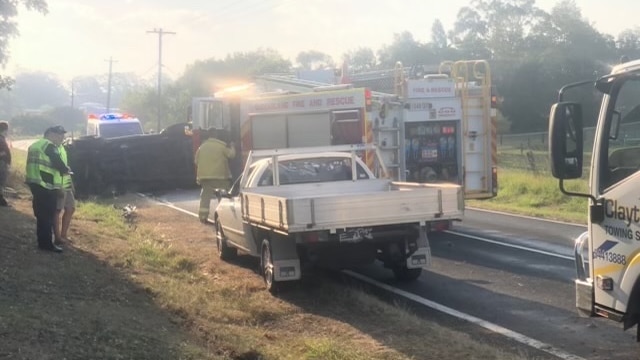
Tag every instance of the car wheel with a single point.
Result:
(266, 266)
(403, 273)
(225, 252)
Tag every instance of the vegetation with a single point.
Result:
(538, 195)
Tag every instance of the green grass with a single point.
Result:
(528, 193)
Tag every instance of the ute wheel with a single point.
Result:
(266, 266)
(225, 252)
(403, 273)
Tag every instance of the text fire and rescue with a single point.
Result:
(306, 103)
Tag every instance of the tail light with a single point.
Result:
(367, 99)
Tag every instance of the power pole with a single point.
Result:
(109, 84)
(72, 92)
(160, 33)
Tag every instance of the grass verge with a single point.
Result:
(537, 195)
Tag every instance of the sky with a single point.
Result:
(78, 37)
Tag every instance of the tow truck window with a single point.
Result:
(623, 148)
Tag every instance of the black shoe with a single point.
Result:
(53, 248)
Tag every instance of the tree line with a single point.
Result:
(532, 54)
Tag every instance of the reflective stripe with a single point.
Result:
(66, 179)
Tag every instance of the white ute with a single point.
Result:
(323, 206)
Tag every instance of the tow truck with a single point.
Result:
(607, 256)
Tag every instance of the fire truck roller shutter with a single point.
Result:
(269, 132)
(309, 130)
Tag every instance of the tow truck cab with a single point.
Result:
(608, 254)
(113, 125)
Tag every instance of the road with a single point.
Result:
(512, 271)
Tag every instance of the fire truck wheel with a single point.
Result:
(225, 252)
(266, 266)
(403, 273)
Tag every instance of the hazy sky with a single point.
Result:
(78, 36)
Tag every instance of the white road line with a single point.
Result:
(472, 319)
(168, 204)
(526, 217)
(519, 247)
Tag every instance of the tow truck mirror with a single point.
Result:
(565, 140)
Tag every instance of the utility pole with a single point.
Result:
(160, 33)
(72, 92)
(109, 85)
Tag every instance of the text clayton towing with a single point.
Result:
(609, 285)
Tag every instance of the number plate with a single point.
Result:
(355, 235)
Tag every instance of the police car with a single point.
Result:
(113, 125)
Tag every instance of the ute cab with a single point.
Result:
(113, 125)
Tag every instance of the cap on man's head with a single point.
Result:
(58, 129)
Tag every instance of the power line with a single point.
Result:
(160, 33)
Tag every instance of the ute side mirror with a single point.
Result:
(221, 193)
(566, 140)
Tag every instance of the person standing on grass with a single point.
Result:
(66, 204)
(212, 162)
(5, 160)
(44, 172)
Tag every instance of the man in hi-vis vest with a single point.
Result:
(44, 177)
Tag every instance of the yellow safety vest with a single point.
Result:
(38, 161)
(66, 178)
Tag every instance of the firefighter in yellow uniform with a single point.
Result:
(212, 162)
(44, 172)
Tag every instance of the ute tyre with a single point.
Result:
(266, 267)
(225, 252)
(403, 273)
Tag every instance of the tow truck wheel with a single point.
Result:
(225, 252)
(403, 273)
(266, 265)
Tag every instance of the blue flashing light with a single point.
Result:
(111, 116)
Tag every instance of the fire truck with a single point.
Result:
(438, 128)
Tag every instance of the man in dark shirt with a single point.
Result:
(5, 160)
(44, 177)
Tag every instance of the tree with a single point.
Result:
(494, 29)
(204, 77)
(438, 35)
(404, 49)
(8, 12)
(72, 119)
(314, 60)
(38, 90)
(362, 59)
(30, 124)
(628, 43)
